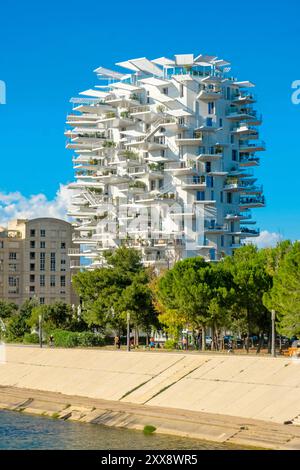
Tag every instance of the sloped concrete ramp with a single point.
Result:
(260, 388)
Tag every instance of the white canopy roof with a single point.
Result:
(145, 65)
(132, 133)
(154, 81)
(178, 112)
(109, 73)
(245, 84)
(184, 59)
(94, 93)
(164, 61)
(125, 86)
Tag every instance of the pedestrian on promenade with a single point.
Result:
(117, 342)
(184, 343)
(51, 340)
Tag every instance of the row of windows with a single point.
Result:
(52, 281)
(43, 245)
(42, 233)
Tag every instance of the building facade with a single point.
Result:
(164, 157)
(34, 261)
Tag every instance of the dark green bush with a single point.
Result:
(71, 339)
(170, 344)
(31, 338)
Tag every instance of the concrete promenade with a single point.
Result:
(214, 397)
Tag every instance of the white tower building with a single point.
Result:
(163, 161)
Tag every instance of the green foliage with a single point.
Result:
(149, 429)
(31, 338)
(7, 309)
(284, 297)
(56, 315)
(170, 344)
(71, 339)
(109, 293)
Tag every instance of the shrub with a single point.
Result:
(71, 339)
(149, 429)
(170, 344)
(65, 339)
(31, 338)
(87, 338)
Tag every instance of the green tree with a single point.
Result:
(56, 315)
(110, 292)
(7, 309)
(250, 281)
(284, 296)
(195, 293)
(17, 325)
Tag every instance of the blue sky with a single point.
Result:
(49, 50)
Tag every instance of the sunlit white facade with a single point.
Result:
(164, 156)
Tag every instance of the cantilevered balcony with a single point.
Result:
(193, 139)
(209, 156)
(180, 168)
(195, 182)
(243, 114)
(244, 98)
(215, 229)
(209, 94)
(247, 232)
(246, 132)
(247, 161)
(253, 147)
(248, 202)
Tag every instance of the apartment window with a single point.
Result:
(181, 91)
(12, 255)
(63, 245)
(32, 267)
(43, 245)
(165, 91)
(212, 195)
(212, 254)
(211, 107)
(32, 244)
(62, 281)
(210, 181)
(63, 265)
(42, 300)
(32, 232)
(12, 267)
(52, 262)
(32, 278)
(220, 122)
(12, 281)
(52, 280)
(234, 155)
(42, 261)
(221, 196)
(148, 97)
(232, 139)
(229, 198)
(209, 122)
(152, 185)
(32, 255)
(1, 244)
(31, 289)
(200, 195)
(222, 240)
(208, 167)
(42, 233)
(228, 93)
(42, 280)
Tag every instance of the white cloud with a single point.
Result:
(266, 239)
(15, 205)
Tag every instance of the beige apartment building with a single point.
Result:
(34, 261)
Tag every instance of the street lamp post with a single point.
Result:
(40, 331)
(128, 331)
(273, 348)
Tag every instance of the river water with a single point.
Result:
(21, 431)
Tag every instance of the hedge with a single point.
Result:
(71, 339)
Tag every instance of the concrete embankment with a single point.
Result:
(234, 399)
